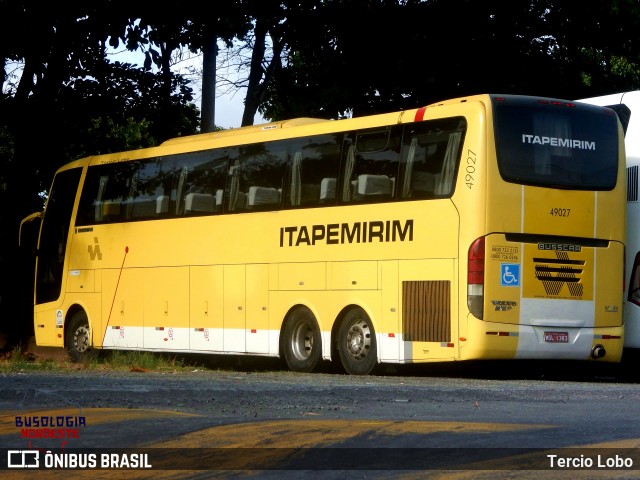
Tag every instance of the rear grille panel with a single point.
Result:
(426, 311)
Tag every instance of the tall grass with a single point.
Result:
(17, 360)
(139, 361)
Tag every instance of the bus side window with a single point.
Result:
(103, 193)
(313, 172)
(421, 167)
(152, 184)
(200, 178)
(90, 206)
(255, 177)
(430, 156)
(371, 166)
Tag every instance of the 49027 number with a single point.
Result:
(470, 170)
(560, 212)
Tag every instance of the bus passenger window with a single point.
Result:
(105, 189)
(255, 177)
(430, 156)
(371, 166)
(147, 191)
(150, 190)
(313, 172)
(199, 182)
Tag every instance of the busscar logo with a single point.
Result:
(560, 247)
(555, 273)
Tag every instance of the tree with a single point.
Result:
(595, 45)
(70, 101)
(258, 54)
(195, 28)
(367, 56)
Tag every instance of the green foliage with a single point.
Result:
(140, 361)
(102, 114)
(19, 361)
(118, 136)
(367, 56)
(6, 153)
(69, 102)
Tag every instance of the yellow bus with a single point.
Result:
(484, 227)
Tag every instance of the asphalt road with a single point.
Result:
(255, 420)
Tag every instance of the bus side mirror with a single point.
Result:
(28, 233)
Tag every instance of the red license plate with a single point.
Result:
(556, 337)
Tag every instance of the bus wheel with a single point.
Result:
(357, 343)
(77, 338)
(302, 342)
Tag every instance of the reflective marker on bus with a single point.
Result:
(473, 228)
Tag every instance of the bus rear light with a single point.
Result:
(475, 278)
(556, 103)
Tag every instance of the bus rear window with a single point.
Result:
(560, 146)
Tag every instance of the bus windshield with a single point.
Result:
(562, 146)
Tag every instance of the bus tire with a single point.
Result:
(357, 343)
(302, 341)
(77, 338)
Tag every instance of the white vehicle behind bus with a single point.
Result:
(627, 105)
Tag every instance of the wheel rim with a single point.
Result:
(302, 341)
(359, 339)
(81, 339)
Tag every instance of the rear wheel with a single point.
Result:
(77, 338)
(357, 343)
(302, 342)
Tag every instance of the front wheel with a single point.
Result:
(77, 339)
(302, 342)
(357, 343)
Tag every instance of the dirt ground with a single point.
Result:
(30, 351)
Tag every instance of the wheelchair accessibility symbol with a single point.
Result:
(509, 275)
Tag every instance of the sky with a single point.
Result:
(229, 105)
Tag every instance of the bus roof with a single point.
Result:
(296, 122)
